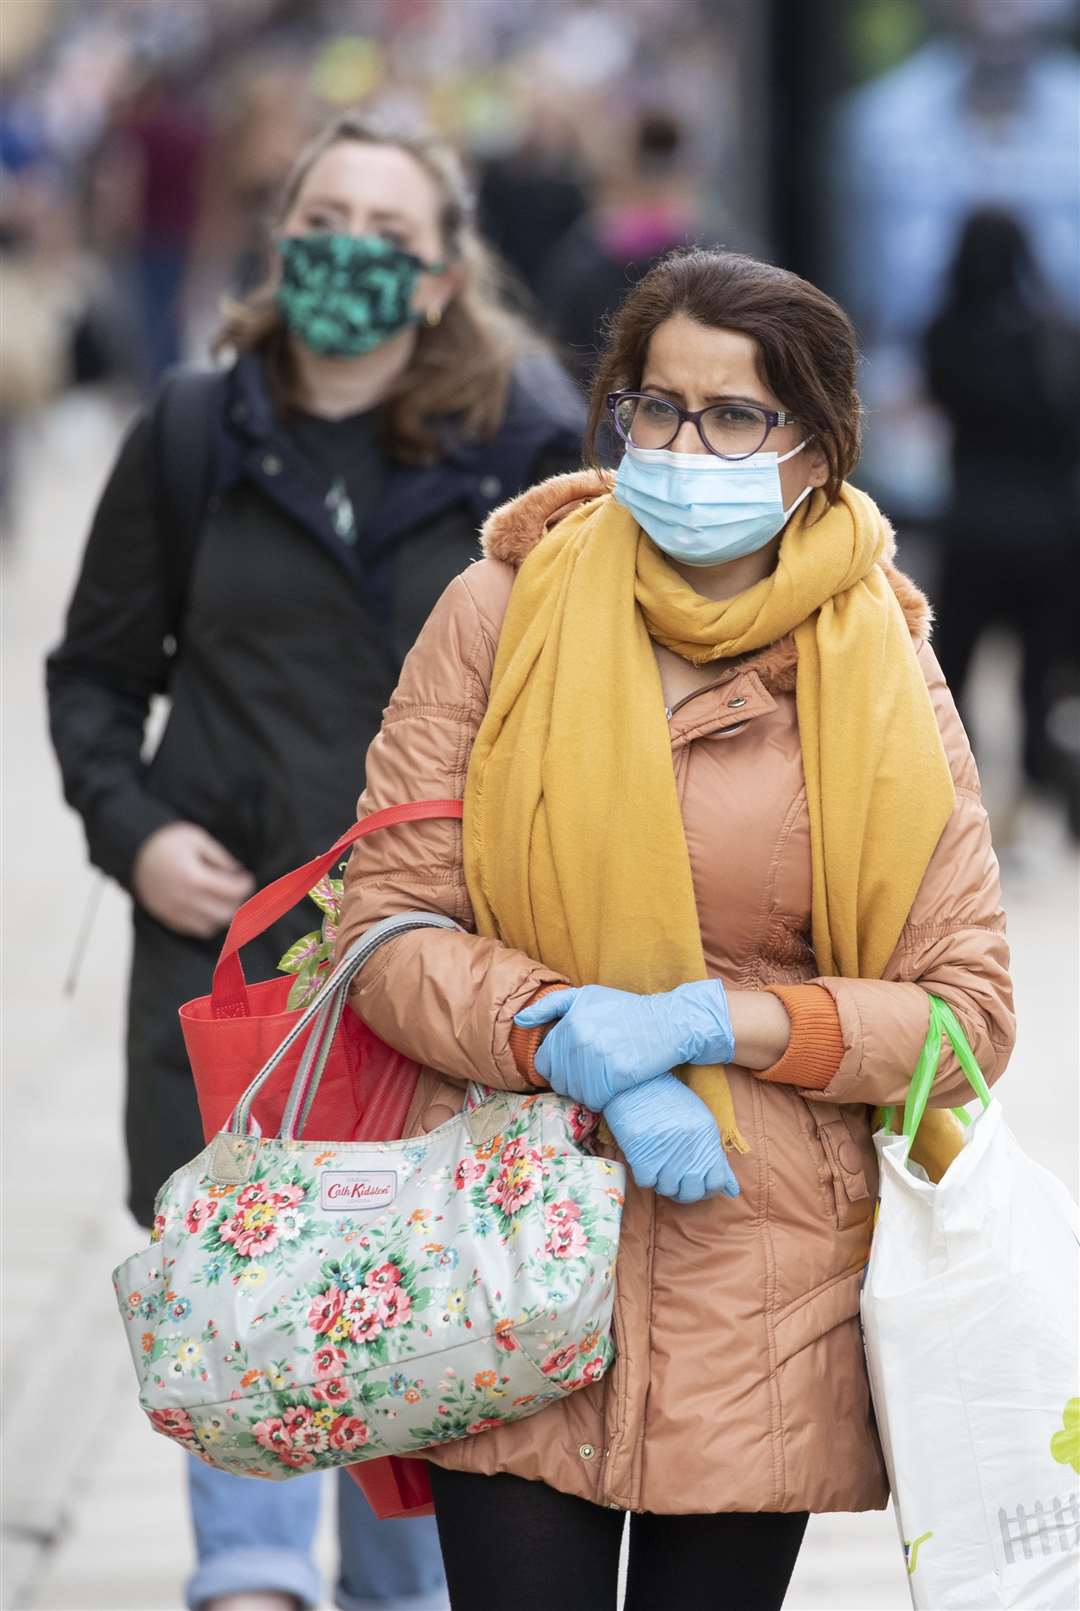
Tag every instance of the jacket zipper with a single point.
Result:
(685, 700)
(670, 711)
(604, 1485)
(709, 687)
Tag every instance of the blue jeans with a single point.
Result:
(251, 1534)
(159, 269)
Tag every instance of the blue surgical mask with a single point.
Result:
(702, 510)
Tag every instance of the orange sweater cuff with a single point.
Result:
(816, 1047)
(525, 1043)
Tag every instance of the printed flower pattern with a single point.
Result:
(518, 1179)
(1065, 1445)
(565, 1235)
(261, 1222)
(357, 1303)
(272, 1336)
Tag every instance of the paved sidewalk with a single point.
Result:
(93, 1504)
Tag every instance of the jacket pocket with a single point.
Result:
(811, 1316)
(848, 1188)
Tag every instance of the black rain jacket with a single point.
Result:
(290, 646)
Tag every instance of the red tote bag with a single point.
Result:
(364, 1094)
(230, 1033)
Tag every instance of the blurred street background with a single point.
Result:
(919, 161)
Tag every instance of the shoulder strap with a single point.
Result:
(229, 991)
(183, 423)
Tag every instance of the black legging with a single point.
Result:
(512, 1545)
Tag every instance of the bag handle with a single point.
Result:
(944, 1024)
(228, 996)
(323, 1014)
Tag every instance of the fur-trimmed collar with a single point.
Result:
(513, 531)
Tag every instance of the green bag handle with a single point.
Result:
(943, 1023)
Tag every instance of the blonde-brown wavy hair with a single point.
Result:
(461, 367)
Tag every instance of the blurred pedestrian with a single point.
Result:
(260, 116)
(48, 284)
(648, 207)
(154, 151)
(380, 403)
(34, 358)
(531, 196)
(720, 812)
(1004, 366)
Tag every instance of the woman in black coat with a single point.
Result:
(1004, 367)
(270, 541)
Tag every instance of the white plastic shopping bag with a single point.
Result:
(970, 1320)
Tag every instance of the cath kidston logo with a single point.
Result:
(357, 1190)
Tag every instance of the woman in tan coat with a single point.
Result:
(721, 819)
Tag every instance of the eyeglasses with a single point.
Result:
(728, 430)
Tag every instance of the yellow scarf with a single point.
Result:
(574, 845)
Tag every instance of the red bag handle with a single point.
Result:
(229, 994)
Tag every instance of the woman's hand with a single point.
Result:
(671, 1141)
(188, 881)
(607, 1041)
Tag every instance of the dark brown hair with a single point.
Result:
(462, 366)
(806, 345)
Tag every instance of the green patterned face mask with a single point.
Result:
(344, 295)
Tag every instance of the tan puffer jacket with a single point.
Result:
(739, 1383)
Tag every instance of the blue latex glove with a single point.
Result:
(671, 1141)
(606, 1041)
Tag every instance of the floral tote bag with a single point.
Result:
(304, 1305)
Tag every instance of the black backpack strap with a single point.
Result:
(184, 423)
